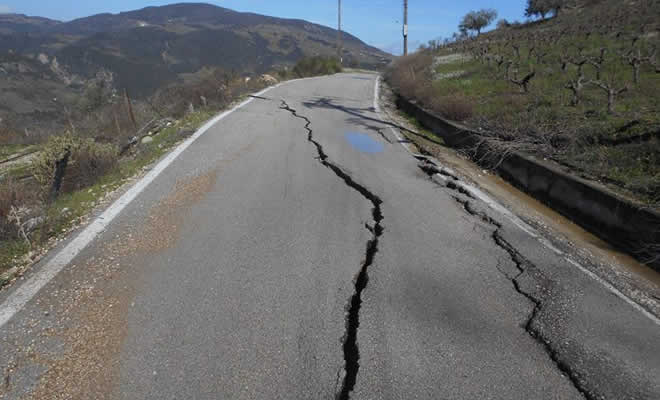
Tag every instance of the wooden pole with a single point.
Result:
(339, 44)
(129, 107)
(405, 27)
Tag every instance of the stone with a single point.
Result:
(269, 79)
(147, 139)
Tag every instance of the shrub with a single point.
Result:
(87, 162)
(43, 166)
(12, 194)
(314, 66)
(410, 74)
(455, 108)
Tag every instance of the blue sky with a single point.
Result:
(377, 22)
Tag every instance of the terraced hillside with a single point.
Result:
(581, 88)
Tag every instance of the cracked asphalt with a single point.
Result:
(274, 259)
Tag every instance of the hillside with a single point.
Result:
(46, 65)
(580, 88)
(19, 23)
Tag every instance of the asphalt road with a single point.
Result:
(297, 251)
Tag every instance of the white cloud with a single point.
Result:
(4, 9)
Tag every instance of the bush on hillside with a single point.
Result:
(314, 66)
(87, 161)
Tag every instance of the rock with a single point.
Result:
(439, 179)
(8, 275)
(132, 141)
(185, 132)
(65, 211)
(147, 139)
(33, 223)
(448, 172)
(269, 79)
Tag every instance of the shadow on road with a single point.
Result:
(360, 115)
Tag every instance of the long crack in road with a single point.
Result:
(350, 347)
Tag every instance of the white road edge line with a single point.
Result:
(531, 231)
(378, 112)
(25, 292)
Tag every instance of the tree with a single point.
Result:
(477, 20)
(543, 7)
(503, 23)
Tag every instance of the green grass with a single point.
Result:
(584, 136)
(10, 253)
(8, 150)
(496, 98)
(421, 130)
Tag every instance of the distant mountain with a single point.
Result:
(19, 23)
(42, 59)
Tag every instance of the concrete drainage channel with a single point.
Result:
(350, 346)
(625, 224)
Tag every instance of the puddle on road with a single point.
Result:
(363, 142)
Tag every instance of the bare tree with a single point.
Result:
(598, 62)
(612, 93)
(579, 63)
(516, 50)
(575, 86)
(524, 82)
(540, 55)
(634, 59)
(653, 60)
(563, 62)
(507, 68)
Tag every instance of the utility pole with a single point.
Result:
(405, 27)
(339, 50)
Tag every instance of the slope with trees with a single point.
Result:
(580, 88)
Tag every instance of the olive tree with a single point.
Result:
(543, 7)
(477, 20)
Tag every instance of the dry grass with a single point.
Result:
(12, 194)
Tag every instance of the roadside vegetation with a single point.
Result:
(49, 186)
(312, 66)
(578, 83)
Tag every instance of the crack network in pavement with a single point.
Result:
(522, 265)
(350, 347)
